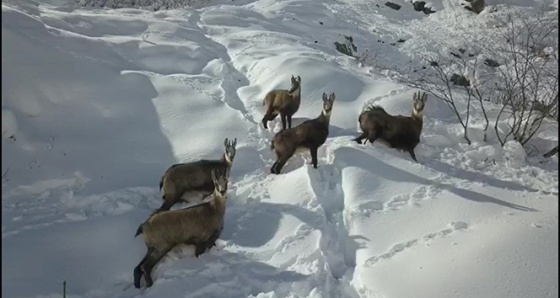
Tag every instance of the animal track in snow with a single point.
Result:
(426, 239)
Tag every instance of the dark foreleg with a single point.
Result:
(289, 121)
(372, 136)
(283, 116)
(411, 152)
(360, 138)
(279, 165)
(313, 152)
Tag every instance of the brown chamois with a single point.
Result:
(400, 132)
(311, 134)
(283, 102)
(194, 177)
(199, 225)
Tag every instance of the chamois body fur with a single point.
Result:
(400, 132)
(193, 177)
(284, 103)
(310, 134)
(199, 225)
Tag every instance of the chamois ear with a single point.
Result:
(299, 79)
(325, 96)
(415, 96)
(226, 142)
(234, 143)
(424, 97)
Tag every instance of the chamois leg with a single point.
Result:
(273, 168)
(289, 121)
(279, 164)
(313, 152)
(207, 245)
(373, 136)
(269, 116)
(411, 152)
(138, 271)
(154, 256)
(168, 201)
(360, 138)
(283, 116)
(199, 249)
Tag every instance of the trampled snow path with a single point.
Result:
(101, 101)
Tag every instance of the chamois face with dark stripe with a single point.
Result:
(419, 102)
(328, 103)
(220, 184)
(230, 150)
(295, 84)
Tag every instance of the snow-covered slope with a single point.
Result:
(97, 103)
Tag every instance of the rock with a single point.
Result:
(419, 5)
(459, 80)
(393, 5)
(491, 63)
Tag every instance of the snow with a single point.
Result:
(98, 102)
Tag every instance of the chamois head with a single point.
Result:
(296, 84)
(419, 102)
(220, 183)
(229, 153)
(328, 103)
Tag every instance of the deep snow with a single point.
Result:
(97, 103)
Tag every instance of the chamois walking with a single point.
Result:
(283, 102)
(310, 134)
(199, 225)
(194, 177)
(400, 132)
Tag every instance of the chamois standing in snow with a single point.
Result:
(400, 132)
(283, 102)
(198, 225)
(310, 134)
(194, 176)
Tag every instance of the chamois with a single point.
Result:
(400, 132)
(193, 177)
(199, 225)
(310, 134)
(283, 102)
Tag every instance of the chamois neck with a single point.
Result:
(218, 200)
(325, 117)
(225, 158)
(296, 95)
(417, 115)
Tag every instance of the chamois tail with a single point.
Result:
(140, 230)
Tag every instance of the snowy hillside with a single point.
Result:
(98, 102)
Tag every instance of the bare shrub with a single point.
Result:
(527, 87)
(521, 77)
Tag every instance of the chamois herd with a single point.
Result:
(202, 223)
